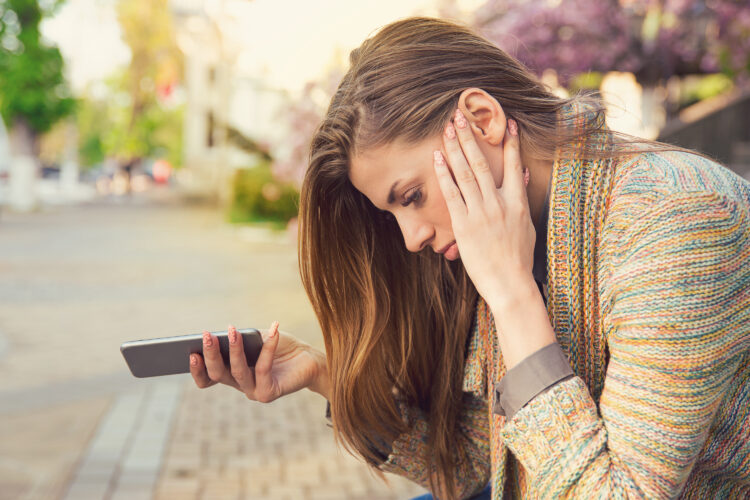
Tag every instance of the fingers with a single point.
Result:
(215, 367)
(265, 388)
(457, 160)
(465, 146)
(451, 193)
(198, 371)
(514, 180)
(241, 373)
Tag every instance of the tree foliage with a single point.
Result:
(107, 126)
(654, 39)
(32, 86)
(141, 123)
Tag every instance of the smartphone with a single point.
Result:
(171, 355)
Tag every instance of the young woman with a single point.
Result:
(511, 294)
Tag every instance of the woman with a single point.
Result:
(509, 292)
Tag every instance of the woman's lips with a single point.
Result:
(450, 252)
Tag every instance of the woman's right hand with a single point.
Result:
(285, 365)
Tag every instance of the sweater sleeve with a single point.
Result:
(408, 457)
(678, 326)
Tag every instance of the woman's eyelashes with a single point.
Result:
(415, 195)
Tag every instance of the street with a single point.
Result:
(77, 281)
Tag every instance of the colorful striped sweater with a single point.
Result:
(649, 295)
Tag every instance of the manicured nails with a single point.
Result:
(232, 335)
(526, 176)
(459, 119)
(274, 329)
(439, 160)
(207, 340)
(512, 127)
(450, 132)
(194, 360)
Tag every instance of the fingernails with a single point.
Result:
(274, 329)
(450, 132)
(439, 160)
(512, 127)
(207, 340)
(194, 360)
(232, 335)
(526, 176)
(459, 119)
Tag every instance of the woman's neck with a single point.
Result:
(540, 173)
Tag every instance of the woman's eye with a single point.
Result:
(414, 196)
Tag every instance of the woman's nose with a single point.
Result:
(417, 233)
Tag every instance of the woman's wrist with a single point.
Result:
(522, 323)
(321, 382)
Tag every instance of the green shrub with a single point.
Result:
(702, 87)
(258, 197)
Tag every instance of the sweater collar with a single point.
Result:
(578, 202)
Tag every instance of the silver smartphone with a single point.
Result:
(171, 355)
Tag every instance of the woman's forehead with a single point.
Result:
(373, 172)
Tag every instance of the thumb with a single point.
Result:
(264, 385)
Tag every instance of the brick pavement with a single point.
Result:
(78, 281)
(224, 446)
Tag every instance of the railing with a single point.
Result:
(719, 127)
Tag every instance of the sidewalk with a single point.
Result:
(78, 281)
(218, 445)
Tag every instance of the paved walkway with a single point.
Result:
(77, 282)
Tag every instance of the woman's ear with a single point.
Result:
(485, 115)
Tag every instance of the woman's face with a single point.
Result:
(400, 178)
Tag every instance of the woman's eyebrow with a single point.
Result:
(392, 194)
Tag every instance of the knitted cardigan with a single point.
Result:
(649, 296)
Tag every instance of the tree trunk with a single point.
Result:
(24, 169)
(69, 168)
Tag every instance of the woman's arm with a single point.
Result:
(321, 383)
(408, 457)
(678, 327)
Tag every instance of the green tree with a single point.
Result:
(143, 125)
(33, 92)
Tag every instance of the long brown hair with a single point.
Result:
(395, 324)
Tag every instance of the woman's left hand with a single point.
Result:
(492, 226)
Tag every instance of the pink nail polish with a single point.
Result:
(450, 132)
(513, 127)
(526, 176)
(232, 336)
(207, 341)
(439, 158)
(459, 119)
(194, 360)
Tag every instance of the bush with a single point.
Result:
(258, 197)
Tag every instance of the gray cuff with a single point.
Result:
(534, 375)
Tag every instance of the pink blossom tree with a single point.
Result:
(303, 114)
(654, 39)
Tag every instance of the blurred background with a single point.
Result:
(151, 153)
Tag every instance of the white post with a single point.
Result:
(23, 175)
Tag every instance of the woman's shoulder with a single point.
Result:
(656, 194)
(641, 182)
